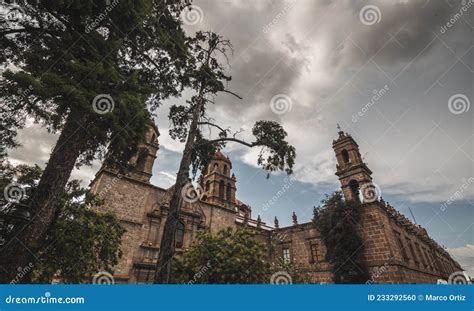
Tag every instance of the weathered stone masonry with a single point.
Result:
(395, 250)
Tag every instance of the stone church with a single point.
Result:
(395, 250)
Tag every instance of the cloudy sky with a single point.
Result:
(398, 76)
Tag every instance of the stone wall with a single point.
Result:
(388, 260)
(306, 250)
(142, 209)
(386, 234)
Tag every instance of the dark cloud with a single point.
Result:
(404, 30)
(317, 53)
(36, 145)
(260, 68)
(321, 55)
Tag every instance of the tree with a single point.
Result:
(337, 222)
(80, 242)
(87, 70)
(232, 256)
(208, 78)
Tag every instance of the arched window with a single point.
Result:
(345, 156)
(354, 186)
(153, 231)
(153, 137)
(221, 189)
(228, 192)
(208, 185)
(225, 169)
(179, 235)
(216, 167)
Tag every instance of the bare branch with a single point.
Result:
(210, 101)
(242, 142)
(215, 125)
(238, 132)
(227, 91)
(25, 30)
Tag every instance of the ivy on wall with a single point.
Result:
(337, 222)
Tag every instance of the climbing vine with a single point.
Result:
(337, 222)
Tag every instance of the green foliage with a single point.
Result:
(228, 257)
(23, 176)
(17, 184)
(207, 77)
(89, 70)
(278, 154)
(80, 242)
(337, 221)
(298, 274)
(62, 54)
(203, 152)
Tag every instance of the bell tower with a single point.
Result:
(218, 183)
(142, 164)
(146, 155)
(353, 173)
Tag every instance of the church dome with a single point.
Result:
(220, 156)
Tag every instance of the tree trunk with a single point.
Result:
(21, 250)
(167, 245)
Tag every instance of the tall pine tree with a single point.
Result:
(85, 69)
(188, 122)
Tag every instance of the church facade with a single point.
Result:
(396, 251)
